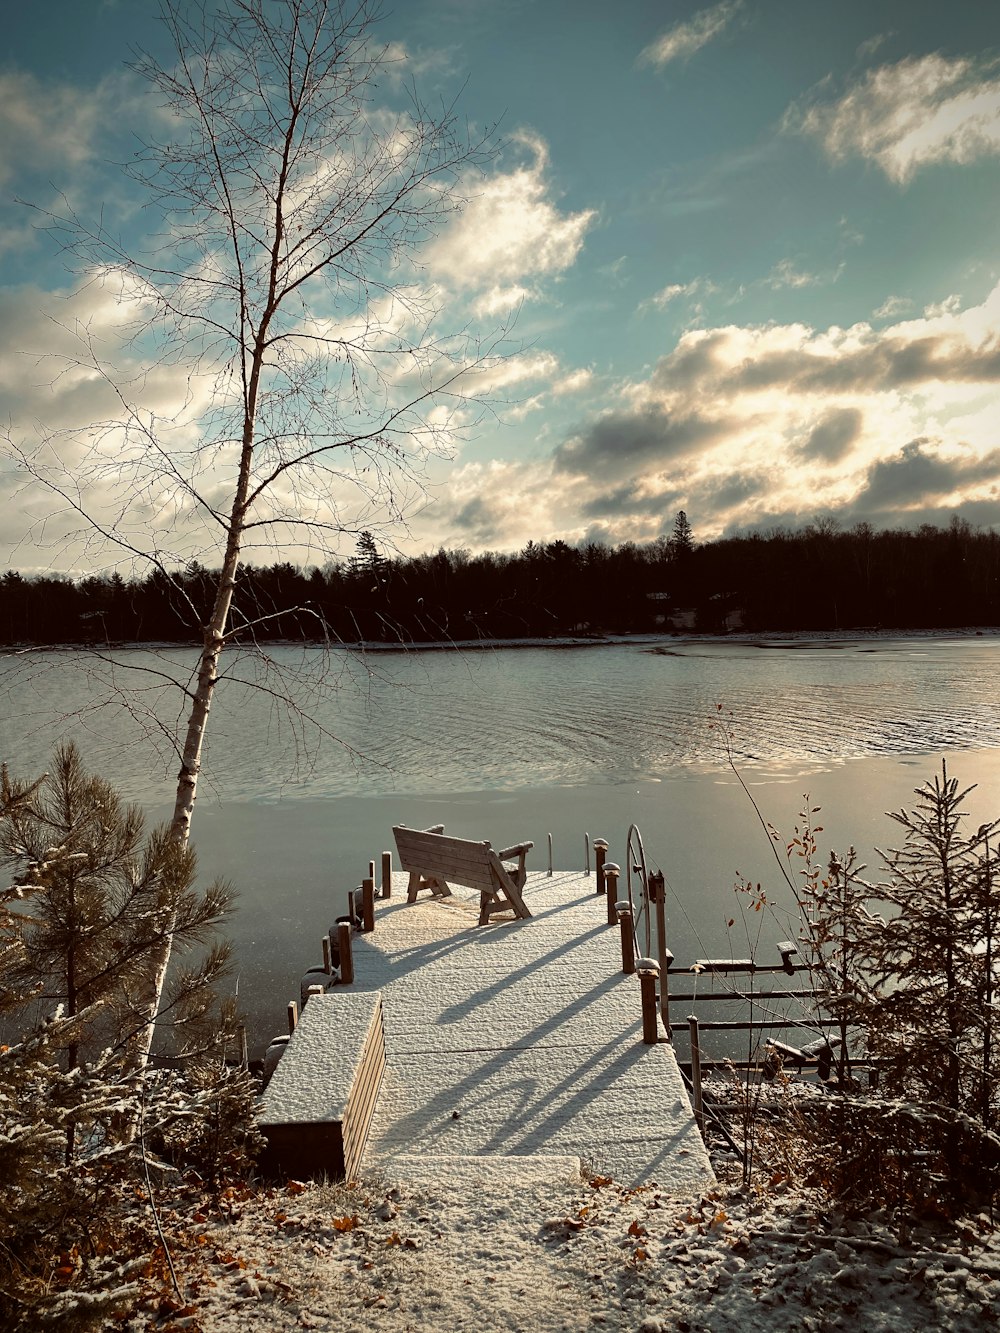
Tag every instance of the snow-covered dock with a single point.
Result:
(519, 1040)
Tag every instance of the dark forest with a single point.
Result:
(816, 578)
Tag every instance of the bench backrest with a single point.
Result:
(456, 860)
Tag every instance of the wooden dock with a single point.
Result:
(520, 1039)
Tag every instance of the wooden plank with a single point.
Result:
(357, 1121)
(760, 1025)
(745, 997)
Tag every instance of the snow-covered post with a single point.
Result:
(387, 874)
(611, 873)
(648, 970)
(625, 923)
(293, 1016)
(600, 852)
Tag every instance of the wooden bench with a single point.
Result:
(433, 860)
(317, 1109)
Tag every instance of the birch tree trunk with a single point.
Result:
(283, 286)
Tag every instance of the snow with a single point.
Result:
(558, 1255)
(521, 1037)
(329, 1037)
(540, 1206)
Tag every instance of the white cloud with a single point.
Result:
(575, 382)
(893, 307)
(502, 300)
(920, 111)
(684, 39)
(741, 425)
(509, 231)
(786, 274)
(673, 292)
(402, 64)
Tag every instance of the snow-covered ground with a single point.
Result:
(549, 1255)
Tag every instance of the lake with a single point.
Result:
(513, 743)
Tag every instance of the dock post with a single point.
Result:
(611, 873)
(624, 910)
(293, 1016)
(699, 1109)
(346, 952)
(327, 955)
(387, 874)
(600, 852)
(648, 970)
(550, 856)
(368, 900)
(658, 897)
(586, 854)
(665, 964)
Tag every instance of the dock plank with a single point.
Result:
(521, 1038)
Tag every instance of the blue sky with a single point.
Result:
(752, 248)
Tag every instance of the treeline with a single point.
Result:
(815, 578)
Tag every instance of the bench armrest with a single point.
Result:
(521, 849)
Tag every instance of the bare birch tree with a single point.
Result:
(280, 287)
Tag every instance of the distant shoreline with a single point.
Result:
(654, 642)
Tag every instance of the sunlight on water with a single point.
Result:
(514, 744)
(505, 718)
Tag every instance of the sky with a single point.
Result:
(748, 252)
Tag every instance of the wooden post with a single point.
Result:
(665, 964)
(346, 953)
(387, 874)
(293, 1016)
(699, 1109)
(648, 970)
(314, 990)
(658, 897)
(244, 1048)
(586, 853)
(327, 955)
(368, 901)
(550, 855)
(600, 852)
(624, 910)
(611, 873)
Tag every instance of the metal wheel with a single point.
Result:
(635, 863)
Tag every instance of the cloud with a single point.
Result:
(923, 110)
(622, 440)
(894, 306)
(831, 438)
(748, 426)
(684, 39)
(510, 231)
(785, 274)
(917, 475)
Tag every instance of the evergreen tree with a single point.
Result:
(682, 539)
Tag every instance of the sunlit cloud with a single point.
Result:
(510, 231)
(684, 39)
(745, 426)
(919, 111)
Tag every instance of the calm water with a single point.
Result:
(515, 743)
